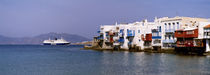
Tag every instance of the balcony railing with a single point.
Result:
(99, 31)
(206, 37)
(156, 44)
(156, 37)
(121, 40)
(121, 34)
(169, 30)
(169, 41)
(130, 33)
(115, 38)
(154, 30)
(100, 38)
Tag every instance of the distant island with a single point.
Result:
(73, 38)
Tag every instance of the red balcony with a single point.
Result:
(187, 33)
(185, 43)
(148, 37)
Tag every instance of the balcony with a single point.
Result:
(154, 30)
(156, 44)
(99, 31)
(115, 38)
(130, 34)
(169, 30)
(100, 38)
(121, 40)
(206, 37)
(169, 41)
(186, 33)
(116, 43)
(121, 34)
(156, 37)
(148, 37)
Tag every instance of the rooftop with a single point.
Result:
(207, 26)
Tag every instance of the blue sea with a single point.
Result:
(72, 60)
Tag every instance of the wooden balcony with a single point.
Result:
(186, 33)
(148, 37)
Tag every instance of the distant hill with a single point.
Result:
(39, 39)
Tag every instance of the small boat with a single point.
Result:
(55, 42)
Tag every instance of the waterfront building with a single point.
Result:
(141, 35)
(126, 36)
(187, 41)
(204, 30)
(105, 37)
(194, 39)
(207, 36)
(156, 35)
(169, 25)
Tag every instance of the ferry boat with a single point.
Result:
(55, 42)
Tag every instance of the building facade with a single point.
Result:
(169, 25)
(159, 34)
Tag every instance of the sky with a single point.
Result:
(27, 18)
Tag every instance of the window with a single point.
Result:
(169, 24)
(160, 29)
(174, 26)
(208, 33)
(179, 32)
(190, 32)
(165, 37)
(173, 36)
(138, 31)
(173, 23)
(165, 26)
(177, 25)
(169, 36)
(177, 22)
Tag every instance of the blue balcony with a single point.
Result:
(99, 31)
(169, 41)
(107, 34)
(121, 40)
(169, 30)
(154, 30)
(156, 37)
(100, 38)
(130, 33)
(129, 43)
(121, 34)
(121, 30)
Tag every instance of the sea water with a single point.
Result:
(72, 60)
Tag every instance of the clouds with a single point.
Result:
(33, 17)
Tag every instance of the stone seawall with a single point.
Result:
(149, 50)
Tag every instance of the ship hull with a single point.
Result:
(56, 43)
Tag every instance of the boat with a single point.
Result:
(56, 42)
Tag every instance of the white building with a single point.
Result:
(204, 33)
(169, 25)
(156, 35)
(126, 36)
(146, 34)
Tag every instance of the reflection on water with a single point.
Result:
(71, 60)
